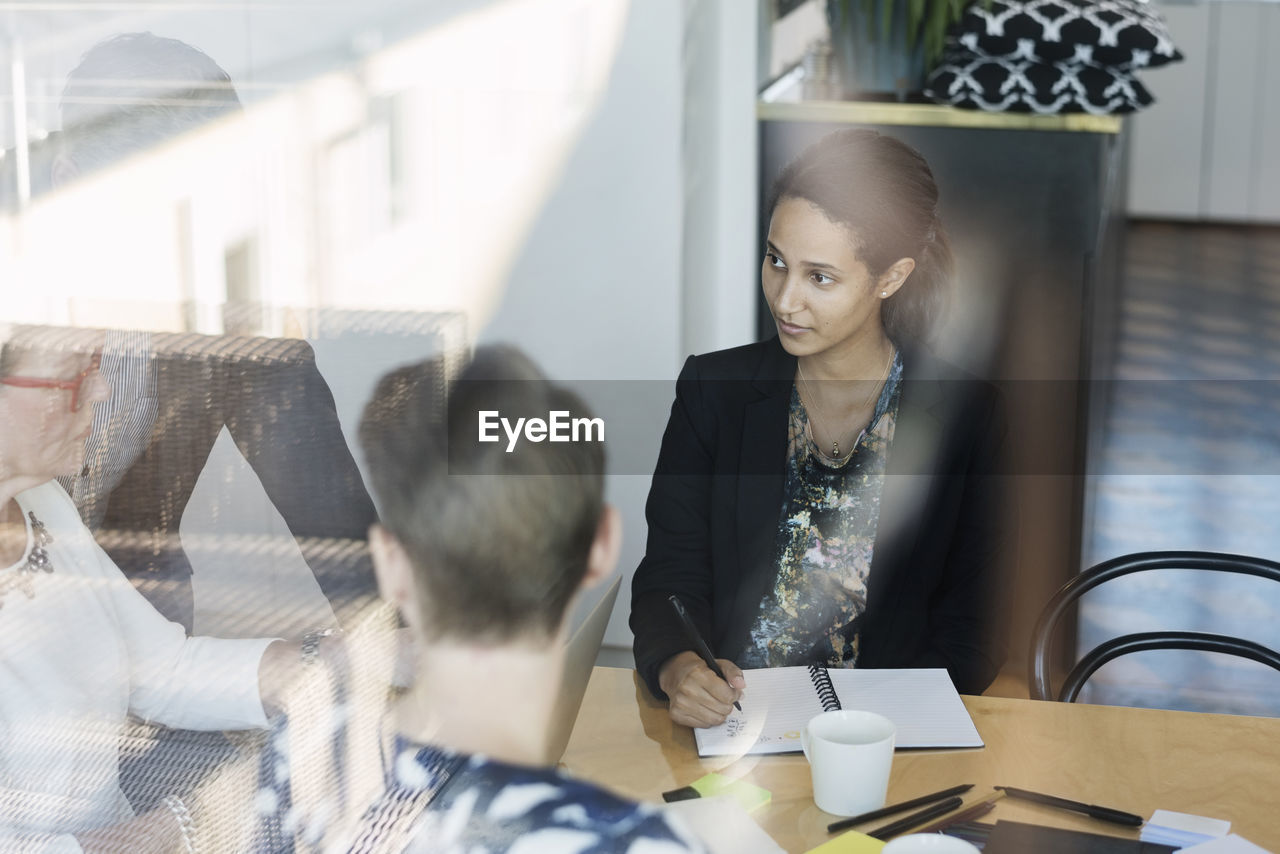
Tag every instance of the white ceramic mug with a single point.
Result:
(929, 843)
(849, 755)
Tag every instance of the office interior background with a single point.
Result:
(582, 178)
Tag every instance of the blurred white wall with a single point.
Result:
(1208, 148)
(645, 251)
(721, 261)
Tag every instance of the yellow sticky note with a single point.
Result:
(748, 795)
(851, 842)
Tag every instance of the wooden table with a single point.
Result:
(1136, 760)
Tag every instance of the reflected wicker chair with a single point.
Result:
(1042, 639)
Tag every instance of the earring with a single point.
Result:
(884, 295)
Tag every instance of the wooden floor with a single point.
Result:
(1191, 460)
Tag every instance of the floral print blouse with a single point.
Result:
(826, 536)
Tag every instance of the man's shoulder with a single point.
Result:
(495, 804)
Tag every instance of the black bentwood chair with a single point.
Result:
(1042, 638)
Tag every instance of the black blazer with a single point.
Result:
(716, 500)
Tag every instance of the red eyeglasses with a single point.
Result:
(75, 386)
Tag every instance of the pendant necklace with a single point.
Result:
(835, 444)
(23, 578)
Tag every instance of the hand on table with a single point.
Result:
(698, 697)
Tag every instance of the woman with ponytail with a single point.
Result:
(828, 495)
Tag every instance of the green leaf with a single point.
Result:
(915, 15)
(915, 12)
(935, 36)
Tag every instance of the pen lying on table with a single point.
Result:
(976, 810)
(1103, 813)
(915, 819)
(845, 823)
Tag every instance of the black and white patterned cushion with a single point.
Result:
(1024, 86)
(1124, 34)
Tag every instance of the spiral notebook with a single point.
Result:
(779, 701)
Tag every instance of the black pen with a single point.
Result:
(844, 823)
(915, 819)
(699, 645)
(974, 811)
(1105, 813)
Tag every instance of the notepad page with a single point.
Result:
(922, 703)
(776, 705)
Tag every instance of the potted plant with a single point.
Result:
(884, 48)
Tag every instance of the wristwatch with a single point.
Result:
(311, 643)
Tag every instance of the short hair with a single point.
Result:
(883, 191)
(499, 541)
(137, 90)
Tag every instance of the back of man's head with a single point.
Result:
(498, 539)
(137, 90)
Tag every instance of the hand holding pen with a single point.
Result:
(702, 689)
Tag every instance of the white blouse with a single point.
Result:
(76, 657)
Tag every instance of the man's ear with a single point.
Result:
(894, 277)
(63, 171)
(394, 571)
(605, 548)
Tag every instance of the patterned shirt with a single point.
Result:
(437, 801)
(826, 536)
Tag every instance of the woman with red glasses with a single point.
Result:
(52, 397)
(80, 648)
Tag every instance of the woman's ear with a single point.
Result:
(605, 548)
(895, 277)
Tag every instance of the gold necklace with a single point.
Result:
(835, 443)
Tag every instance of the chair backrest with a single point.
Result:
(1042, 637)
